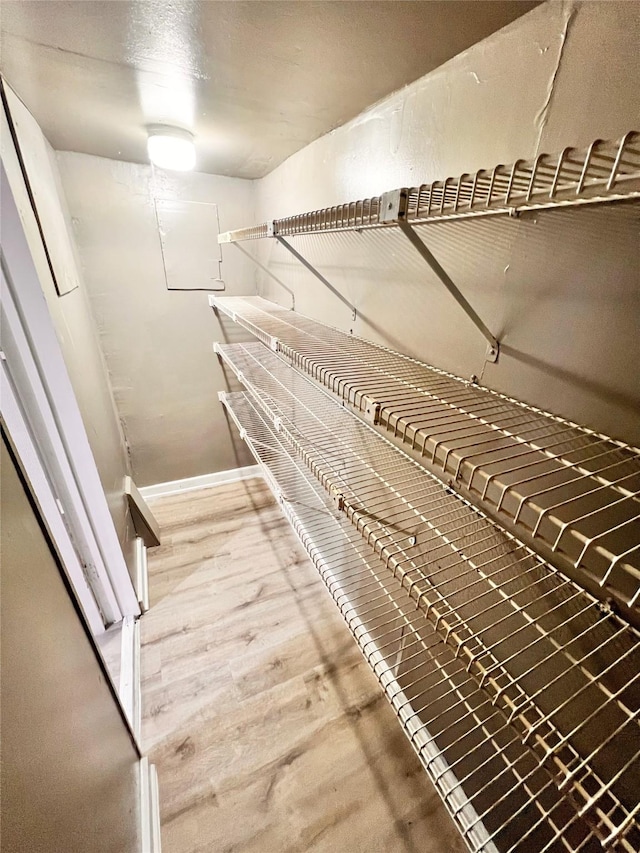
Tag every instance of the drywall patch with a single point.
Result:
(188, 232)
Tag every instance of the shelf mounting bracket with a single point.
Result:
(305, 263)
(393, 210)
(269, 273)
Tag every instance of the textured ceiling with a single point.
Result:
(255, 81)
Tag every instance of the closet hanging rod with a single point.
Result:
(605, 171)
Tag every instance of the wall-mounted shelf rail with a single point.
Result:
(605, 171)
(560, 667)
(495, 789)
(570, 493)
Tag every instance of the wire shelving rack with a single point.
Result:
(562, 669)
(485, 554)
(571, 493)
(493, 785)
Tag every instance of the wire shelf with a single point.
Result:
(565, 673)
(605, 171)
(568, 491)
(492, 784)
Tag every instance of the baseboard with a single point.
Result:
(149, 808)
(205, 481)
(129, 692)
(142, 575)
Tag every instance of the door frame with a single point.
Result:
(26, 453)
(41, 386)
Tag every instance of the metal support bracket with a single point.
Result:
(393, 206)
(305, 263)
(493, 350)
(371, 411)
(393, 210)
(266, 270)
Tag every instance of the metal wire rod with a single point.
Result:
(433, 263)
(305, 263)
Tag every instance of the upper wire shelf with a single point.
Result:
(570, 492)
(564, 672)
(605, 171)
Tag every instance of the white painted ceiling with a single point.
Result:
(255, 81)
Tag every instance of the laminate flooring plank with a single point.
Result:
(269, 732)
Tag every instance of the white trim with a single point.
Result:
(154, 796)
(149, 808)
(44, 349)
(204, 481)
(145, 805)
(142, 574)
(31, 465)
(129, 691)
(21, 374)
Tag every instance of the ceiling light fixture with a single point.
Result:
(171, 148)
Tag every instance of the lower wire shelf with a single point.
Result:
(555, 667)
(494, 786)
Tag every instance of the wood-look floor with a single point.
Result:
(267, 728)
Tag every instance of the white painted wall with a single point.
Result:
(560, 289)
(158, 344)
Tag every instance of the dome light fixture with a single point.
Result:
(171, 148)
